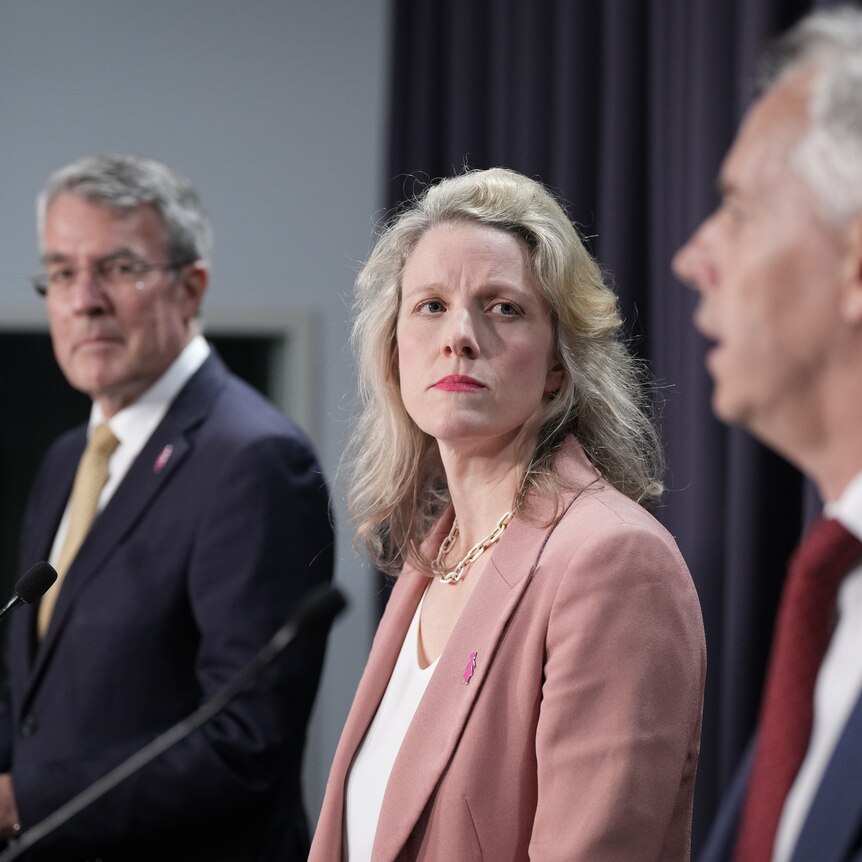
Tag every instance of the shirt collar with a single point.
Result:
(143, 414)
(848, 507)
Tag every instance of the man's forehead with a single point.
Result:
(768, 135)
(78, 219)
(99, 206)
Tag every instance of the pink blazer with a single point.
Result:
(577, 735)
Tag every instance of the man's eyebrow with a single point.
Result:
(54, 257)
(120, 251)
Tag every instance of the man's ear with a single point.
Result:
(193, 281)
(851, 275)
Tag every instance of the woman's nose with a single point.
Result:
(460, 336)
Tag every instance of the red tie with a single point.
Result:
(802, 632)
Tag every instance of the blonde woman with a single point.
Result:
(534, 688)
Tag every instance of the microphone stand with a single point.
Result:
(318, 609)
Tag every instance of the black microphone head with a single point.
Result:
(319, 608)
(34, 583)
(316, 611)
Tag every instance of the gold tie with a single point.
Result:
(89, 481)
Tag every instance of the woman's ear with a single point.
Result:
(554, 377)
(394, 372)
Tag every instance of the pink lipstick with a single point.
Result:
(458, 383)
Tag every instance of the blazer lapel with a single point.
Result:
(429, 741)
(835, 816)
(149, 473)
(390, 635)
(432, 740)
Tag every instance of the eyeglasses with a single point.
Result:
(114, 274)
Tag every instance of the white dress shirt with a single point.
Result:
(369, 774)
(133, 425)
(839, 684)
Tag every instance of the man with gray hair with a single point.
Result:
(186, 521)
(778, 268)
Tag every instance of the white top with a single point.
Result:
(133, 425)
(839, 684)
(369, 774)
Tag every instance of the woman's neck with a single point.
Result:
(482, 489)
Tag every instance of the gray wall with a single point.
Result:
(274, 109)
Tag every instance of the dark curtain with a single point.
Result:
(625, 108)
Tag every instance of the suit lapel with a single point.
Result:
(835, 816)
(429, 741)
(149, 473)
(438, 723)
(62, 477)
(375, 678)
(41, 538)
(721, 838)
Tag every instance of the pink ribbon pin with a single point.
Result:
(162, 460)
(471, 667)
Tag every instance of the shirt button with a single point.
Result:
(29, 725)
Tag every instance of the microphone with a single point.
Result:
(31, 586)
(316, 612)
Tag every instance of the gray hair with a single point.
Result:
(397, 483)
(126, 182)
(829, 156)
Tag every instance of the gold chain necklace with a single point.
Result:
(452, 576)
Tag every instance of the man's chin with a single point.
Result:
(727, 408)
(96, 383)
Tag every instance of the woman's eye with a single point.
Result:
(507, 309)
(430, 306)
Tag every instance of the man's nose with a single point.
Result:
(87, 293)
(693, 264)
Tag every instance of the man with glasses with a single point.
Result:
(185, 521)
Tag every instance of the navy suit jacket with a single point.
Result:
(219, 527)
(832, 831)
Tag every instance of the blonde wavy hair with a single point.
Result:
(397, 486)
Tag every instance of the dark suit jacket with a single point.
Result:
(188, 571)
(832, 831)
(576, 737)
